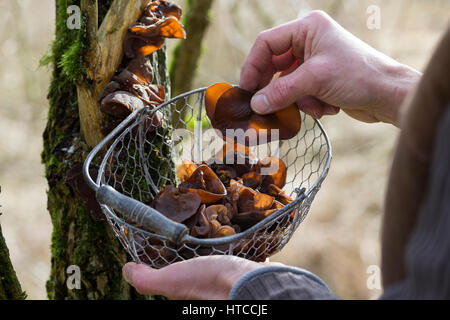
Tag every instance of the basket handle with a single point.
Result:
(141, 214)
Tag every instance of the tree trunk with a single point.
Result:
(69, 135)
(10, 288)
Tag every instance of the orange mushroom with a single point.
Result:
(279, 194)
(204, 182)
(212, 94)
(168, 27)
(148, 35)
(273, 171)
(230, 109)
(164, 8)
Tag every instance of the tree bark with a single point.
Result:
(10, 288)
(70, 133)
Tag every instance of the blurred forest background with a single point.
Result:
(339, 239)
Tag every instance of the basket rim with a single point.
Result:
(122, 129)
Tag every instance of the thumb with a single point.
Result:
(281, 93)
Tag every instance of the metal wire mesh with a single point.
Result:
(141, 160)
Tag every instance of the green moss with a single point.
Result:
(66, 51)
(71, 61)
(112, 30)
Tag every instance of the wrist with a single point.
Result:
(399, 81)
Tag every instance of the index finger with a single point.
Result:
(272, 42)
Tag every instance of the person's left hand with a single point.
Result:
(202, 278)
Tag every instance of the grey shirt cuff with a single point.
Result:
(280, 283)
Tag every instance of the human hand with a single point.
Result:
(202, 278)
(324, 67)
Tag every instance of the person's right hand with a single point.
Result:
(324, 68)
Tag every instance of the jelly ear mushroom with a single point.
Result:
(212, 95)
(248, 219)
(164, 8)
(176, 205)
(215, 214)
(121, 104)
(273, 171)
(204, 182)
(202, 226)
(279, 194)
(168, 27)
(250, 200)
(136, 46)
(232, 111)
(138, 71)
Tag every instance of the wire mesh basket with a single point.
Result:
(138, 160)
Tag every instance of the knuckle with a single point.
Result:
(262, 36)
(319, 17)
(279, 92)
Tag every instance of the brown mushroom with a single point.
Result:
(138, 71)
(224, 231)
(148, 35)
(209, 223)
(213, 94)
(232, 111)
(250, 200)
(176, 205)
(248, 219)
(279, 194)
(120, 104)
(252, 180)
(168, 27)
(273, 171)
(164, 8)
(201, 226)
(217, 215)
(204, 182)
(137, 46)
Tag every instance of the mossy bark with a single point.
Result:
(10, 288)
(77, 239)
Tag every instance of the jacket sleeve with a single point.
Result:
(280, 283)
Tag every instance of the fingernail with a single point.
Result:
(126, 271)
(260, 104)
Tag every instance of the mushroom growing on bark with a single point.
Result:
(160, 20)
